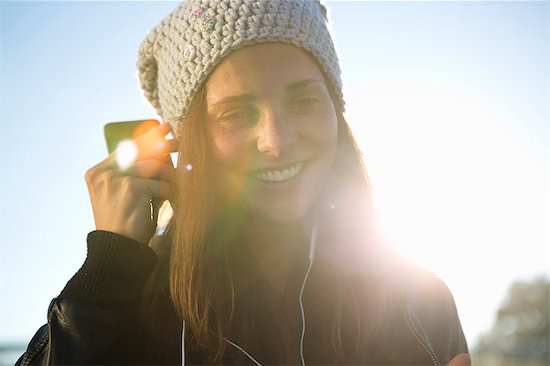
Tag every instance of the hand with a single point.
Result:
(121, 197)
(462, 359)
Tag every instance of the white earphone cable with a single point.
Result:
(313, 241)
(183, 343)
(243, 351)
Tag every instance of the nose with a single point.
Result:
(275, 135)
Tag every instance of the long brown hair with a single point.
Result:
(347, 297)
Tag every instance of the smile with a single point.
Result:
(279, 175)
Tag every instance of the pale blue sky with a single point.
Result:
(448, 99)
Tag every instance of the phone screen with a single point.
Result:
(116, 132)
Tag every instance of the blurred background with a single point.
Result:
(449, 101)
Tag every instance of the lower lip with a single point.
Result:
(284, 184)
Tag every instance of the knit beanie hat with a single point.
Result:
(176, 57)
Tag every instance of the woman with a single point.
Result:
(272, 255)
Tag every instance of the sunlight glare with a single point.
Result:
(126, 153)
(447, 171)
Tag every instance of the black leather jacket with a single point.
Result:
(93, 321)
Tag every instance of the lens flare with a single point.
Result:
(126, 153)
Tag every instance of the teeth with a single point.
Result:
(286, 174)
(279, 175)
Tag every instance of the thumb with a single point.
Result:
(462, 359)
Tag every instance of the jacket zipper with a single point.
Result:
(430, 353)
(35, 352)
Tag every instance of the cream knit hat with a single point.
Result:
(179, 54)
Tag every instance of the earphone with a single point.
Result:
(312, 248)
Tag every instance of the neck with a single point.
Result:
(278, 248)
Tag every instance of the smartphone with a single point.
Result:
(117, 132)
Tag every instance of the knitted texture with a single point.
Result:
(176, 57)
(114, 272)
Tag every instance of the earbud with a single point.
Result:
(313, 240)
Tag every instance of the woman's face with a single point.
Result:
(273, 129)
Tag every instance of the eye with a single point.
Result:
(240, 116)
(303, 104)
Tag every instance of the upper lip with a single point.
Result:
(277, 167)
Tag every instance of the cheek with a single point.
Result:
(323, 130)
(229, 149)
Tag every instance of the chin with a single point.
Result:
(292, 203)
(287, 210)
(284, 214)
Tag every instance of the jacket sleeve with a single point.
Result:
(94, 319)
(437, 317)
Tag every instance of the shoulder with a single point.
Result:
(426, 291)
(432, 313)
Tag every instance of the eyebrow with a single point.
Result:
(242, 98)
(298, 85)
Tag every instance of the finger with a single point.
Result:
(151, 168)
(130, 153)
(171, 145)
(147, 145)
(462, 359)
(150, 149)
(155, 146)
(151, 127)
(126, 164)
(109, 163)
(155, 188)
(144, 134)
